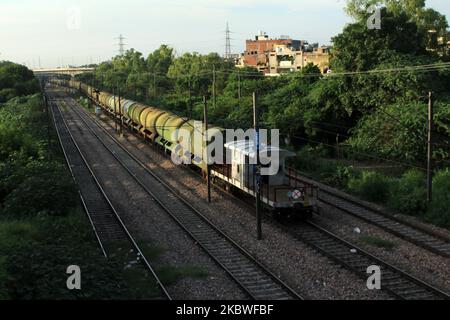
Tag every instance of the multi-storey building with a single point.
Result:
(274, 56)
(283, 59)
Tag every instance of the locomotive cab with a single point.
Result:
(243, 164)
(279, 192)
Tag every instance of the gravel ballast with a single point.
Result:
(304, 269)
(152, 226)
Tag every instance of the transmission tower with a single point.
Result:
(227, 43)
(121, 45)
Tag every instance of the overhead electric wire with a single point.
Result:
(348, 137)
(362, 153)
(404, 69)
(331, 124)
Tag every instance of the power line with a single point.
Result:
(407, 69)
(404, 69)
(361, 153)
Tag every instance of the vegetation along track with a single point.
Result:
(254, 278)
(108, 227)
(422, 237)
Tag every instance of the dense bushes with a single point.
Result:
(30, 182)
(45, 189)
(439, 212)
(408, 194)
(37, 251)
(13, 141)
(371, 186)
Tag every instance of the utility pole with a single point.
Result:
(205, 147)
(190, 97)
(430, 149)
(257, 169)
(115, 103)
(239, 87)
(214, 86)
(337, 148)
(154, 85)
(115, 116)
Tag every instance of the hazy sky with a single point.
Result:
(80, 31)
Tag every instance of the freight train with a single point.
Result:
(281, 193)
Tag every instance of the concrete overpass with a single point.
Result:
(70, 71)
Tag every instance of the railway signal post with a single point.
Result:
(205, 138)
(257, 170)
(430, 149)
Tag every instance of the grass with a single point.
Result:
(378, 242)
(143, 284)
(86, 104)
(151, 251)
(170, 275)
(36, 253)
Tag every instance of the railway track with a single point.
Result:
(426, 239)
(422, 238)
(396, 282)
(253, 277)
(107, 225)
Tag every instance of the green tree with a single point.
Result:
(358, 48)
(400, 131)
(16, 80)
(432, 24)
(160, 60)
(286, 105)
(197, 70)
